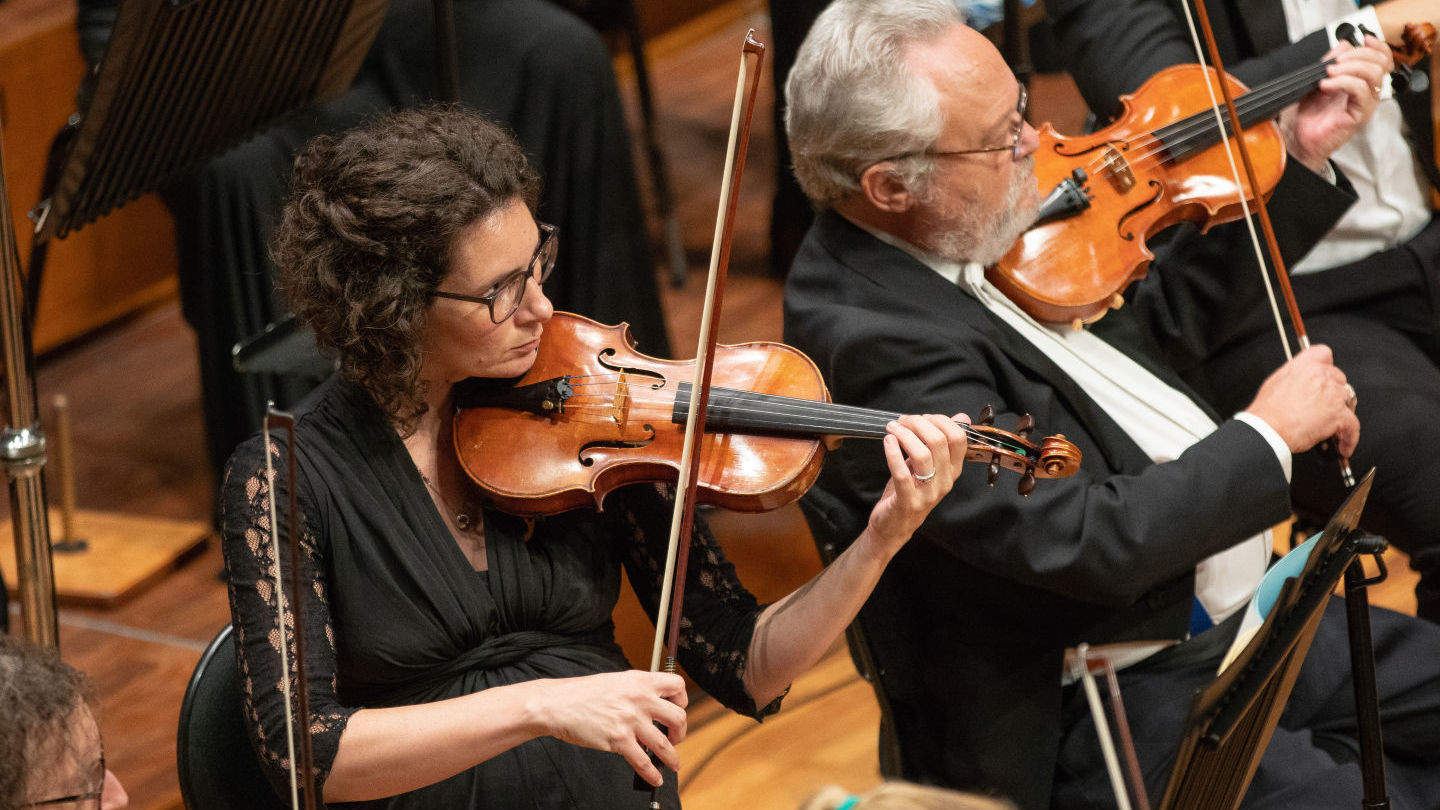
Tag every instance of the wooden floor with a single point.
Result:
(135, 395)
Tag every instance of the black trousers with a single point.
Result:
(1312, 761)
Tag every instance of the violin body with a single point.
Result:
(593, 414)
(1139, 179)
(620, 430)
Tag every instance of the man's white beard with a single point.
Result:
(984, 238)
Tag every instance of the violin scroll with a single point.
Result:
(1054, 457)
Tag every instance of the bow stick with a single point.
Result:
(1282, 276)
(672, 596)
(297, 718)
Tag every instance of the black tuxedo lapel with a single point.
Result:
(906, 276)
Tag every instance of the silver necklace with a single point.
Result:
(462, 519)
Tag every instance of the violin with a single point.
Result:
(1160, 163)
(593, 414)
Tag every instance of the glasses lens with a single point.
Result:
(507, 298)
(545, 259)
(1020, 107)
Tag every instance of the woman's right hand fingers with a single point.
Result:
(618, 712)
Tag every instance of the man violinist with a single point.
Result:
(907, 132)
(1370, 289)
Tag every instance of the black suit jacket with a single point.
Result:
(1111, 47)
(997, 585)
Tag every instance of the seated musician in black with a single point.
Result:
(906, 129)
(459, 657)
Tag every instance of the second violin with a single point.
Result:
(1158, 164)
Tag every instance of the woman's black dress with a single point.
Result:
(399, 616)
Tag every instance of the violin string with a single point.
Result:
(824, 416)
(1270, 94)
(874, 428)
(770, 419)
(1201, 124)
(805, 416)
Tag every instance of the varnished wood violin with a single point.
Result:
(593, 414)
(1158, 164)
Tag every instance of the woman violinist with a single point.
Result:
(459, 657)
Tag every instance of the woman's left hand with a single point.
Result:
(935, 446)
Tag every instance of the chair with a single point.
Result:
(880, 639)
(216, 764)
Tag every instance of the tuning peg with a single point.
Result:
(1027, 483)
(1024, 425)
(994, 471)
(987, 415)
(1117, 300)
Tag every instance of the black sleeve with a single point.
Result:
(1094, 537)
(250, 568)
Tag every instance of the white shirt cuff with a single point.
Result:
(1282, 450)
(1364, 18)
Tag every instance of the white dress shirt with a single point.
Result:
(1394, 204)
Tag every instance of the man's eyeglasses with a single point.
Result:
(1021, 105)
(78, 797)
(504, 298)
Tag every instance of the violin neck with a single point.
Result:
(1199, 131)
(731, 410)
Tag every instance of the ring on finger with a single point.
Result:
(1351, 399)
(923, 478)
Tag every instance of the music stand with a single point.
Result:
(1232, 720)
(181, 81)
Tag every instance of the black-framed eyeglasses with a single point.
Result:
(78, 797)
(1021, 105)
(505, 296)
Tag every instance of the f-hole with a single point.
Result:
(603, 359)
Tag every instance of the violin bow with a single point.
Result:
(1282, 275)
(297, 712)
(672, 595)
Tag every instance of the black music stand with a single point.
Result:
(181, 81)
(1232, 720)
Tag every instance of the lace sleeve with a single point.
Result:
(719, 616)
(250, 566)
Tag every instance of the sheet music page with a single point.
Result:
(1265, 595)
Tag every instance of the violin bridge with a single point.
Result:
(1116, 169)
(620, 405)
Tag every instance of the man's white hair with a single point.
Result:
(851, 99)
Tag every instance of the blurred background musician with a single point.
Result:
(531, 65)
(50, 749)
(1370, 289)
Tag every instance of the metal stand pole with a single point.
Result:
(22, 445)
(1362, 665)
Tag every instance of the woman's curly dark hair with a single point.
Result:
(38, 695)
(369, 228)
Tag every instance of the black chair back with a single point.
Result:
(216, 763)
